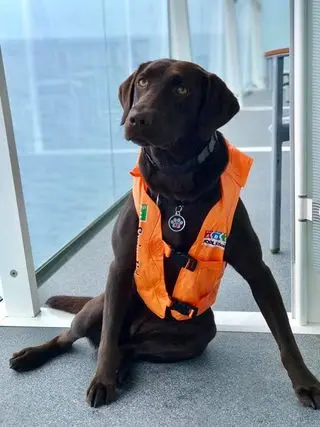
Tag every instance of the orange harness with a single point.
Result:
(198, 282)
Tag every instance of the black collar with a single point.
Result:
(162, 201)
(190, 165)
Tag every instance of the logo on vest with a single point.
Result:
(143, 212)
(215, 239)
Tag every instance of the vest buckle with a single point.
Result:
(184, 260)
(184, 308)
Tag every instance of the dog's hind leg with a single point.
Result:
(87, 323)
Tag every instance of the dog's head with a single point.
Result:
(165, 100)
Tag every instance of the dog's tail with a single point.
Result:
(67, 303)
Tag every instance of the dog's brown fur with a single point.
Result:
(171, 109)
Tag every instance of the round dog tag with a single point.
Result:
(177, 222)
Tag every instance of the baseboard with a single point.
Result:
(253, 321)
(227, 321)
(48, 318)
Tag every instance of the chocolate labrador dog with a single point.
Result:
(171, 110)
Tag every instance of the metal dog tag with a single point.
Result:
(177, 222)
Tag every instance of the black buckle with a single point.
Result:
(184, 308)
(184, 260)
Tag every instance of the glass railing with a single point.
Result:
(222, 29)
(64, 61)
(207, 34)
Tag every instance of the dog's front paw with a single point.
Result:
(308, 392)
(101, 392)
(26, 360)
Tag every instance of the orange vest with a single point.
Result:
(194, 291)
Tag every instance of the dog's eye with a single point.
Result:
(143, 83)
(181, 90)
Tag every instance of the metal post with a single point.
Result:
(276, 159)
(292, 160)
(18, 280)
(268, 73)
(301, 83)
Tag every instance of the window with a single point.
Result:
(64, 62)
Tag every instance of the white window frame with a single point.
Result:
(17, 273)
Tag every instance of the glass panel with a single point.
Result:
(275, 24)
(206, 32)
(135, 39)
(208, 35)
(64, 62)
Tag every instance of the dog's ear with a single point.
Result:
(219, 106)
(126, 91)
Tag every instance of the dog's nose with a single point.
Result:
(140, 119)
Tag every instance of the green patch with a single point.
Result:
(144, 212)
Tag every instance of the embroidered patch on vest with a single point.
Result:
(144, 212)
(215, 239)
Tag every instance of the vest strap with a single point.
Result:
(184, 260)
(187, 261)
(184, 308)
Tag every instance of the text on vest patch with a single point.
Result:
(215, 239)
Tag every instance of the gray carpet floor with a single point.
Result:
(238, 381)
